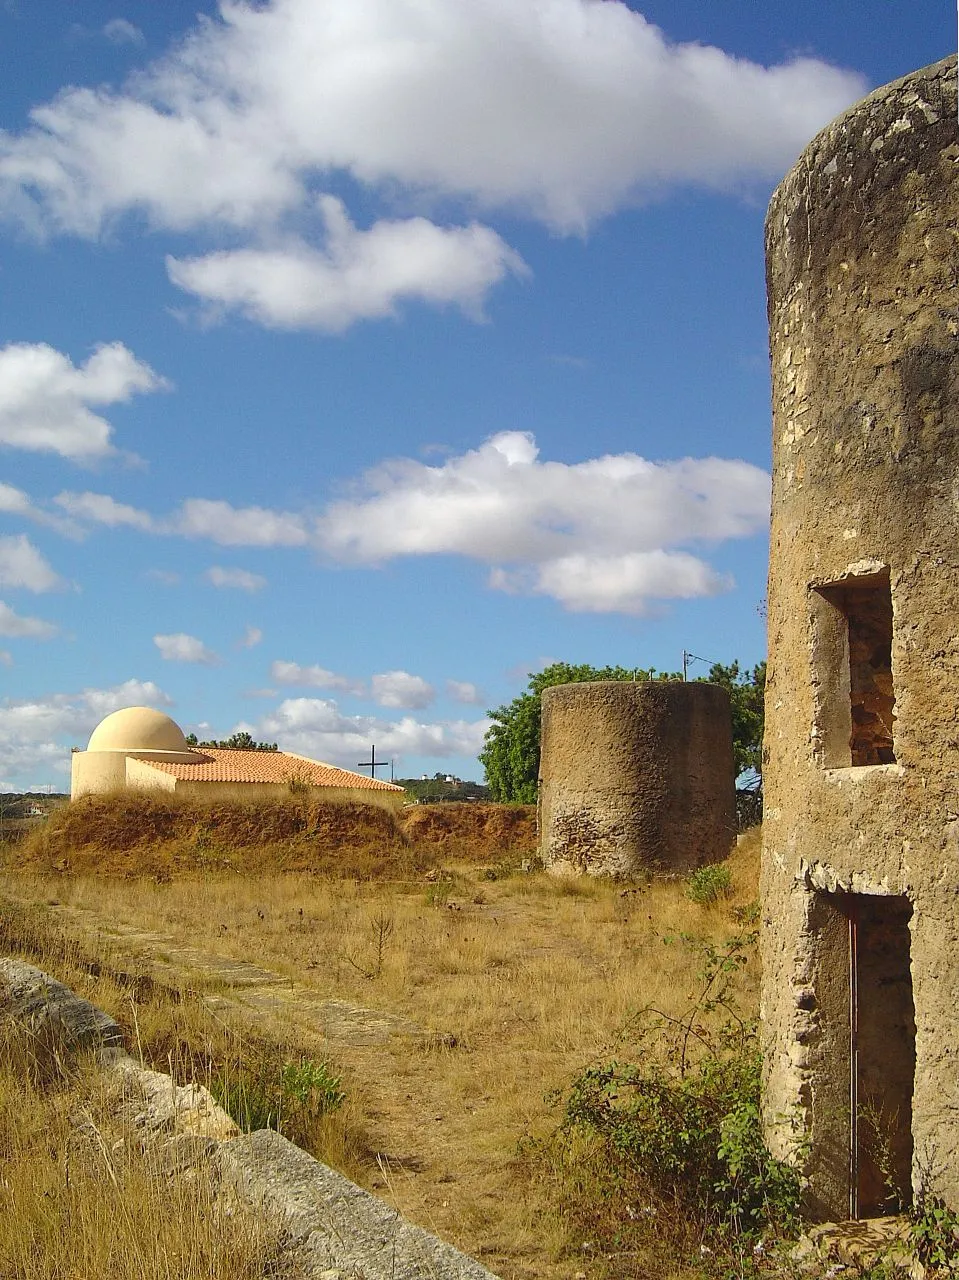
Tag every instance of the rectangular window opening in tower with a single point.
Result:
(852, 662)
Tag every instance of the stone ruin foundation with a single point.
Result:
(635, 777)
(860, 880)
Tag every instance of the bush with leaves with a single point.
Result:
(510, 753)
(677, 1129)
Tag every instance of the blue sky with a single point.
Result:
(359, 357)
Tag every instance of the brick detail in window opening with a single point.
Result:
(852, 625)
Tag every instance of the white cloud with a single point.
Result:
(464, 691)
(36, 734)
(236, 526)
(357, 275)
(15, 502)
(6, 658)
(180, 647)
(400, 689)
(251, 637)
(313, 677)
(17, 627)
(100, 508)
(388, 689)
(22, 565)
(563, 109)
(241, 579)
(616, 583)
(45, 399)
(165, 577)
(226, 525)
(120, 31)
(316, 727)
(608, 534)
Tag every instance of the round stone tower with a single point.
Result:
(635, 777)
(860, 879)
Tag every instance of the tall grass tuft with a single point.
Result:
(80, 1198)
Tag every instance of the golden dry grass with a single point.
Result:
(142, 833)
(531, 978)
(80, 1198)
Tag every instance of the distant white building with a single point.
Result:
(145, 750)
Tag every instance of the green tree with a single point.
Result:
(746, 694)
(510, 753)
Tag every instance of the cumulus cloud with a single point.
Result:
(179, 647)
(357, 275)
(465, 692)
(400, 689)
(316, 727)
(237, 526)
(100, 508)
(313, 677)
(506, 105)
(15, 502)
(36, 733)
(388, 688)
(45, 399)
(590, 583)
(6, 658)
(165, 577)
(240, 579)
(251, 637)
(120, 31)
(22, 565)
(19, 627)
(218, 521)
(607, 534)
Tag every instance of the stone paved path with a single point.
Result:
(224, 983)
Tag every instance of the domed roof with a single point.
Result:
(138, 729)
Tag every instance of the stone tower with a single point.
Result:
(635, 777)
(860, 882)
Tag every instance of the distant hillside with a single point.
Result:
(442, 787)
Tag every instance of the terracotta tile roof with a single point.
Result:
(216, 764)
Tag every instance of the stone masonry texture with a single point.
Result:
(860, 880)
(635, 777)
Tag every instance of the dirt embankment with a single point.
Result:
(140, 834)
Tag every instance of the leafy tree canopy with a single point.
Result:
(510, 753)
(235, 742)
(747, 690)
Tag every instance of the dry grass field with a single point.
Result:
(525, 979)
(80, 1199)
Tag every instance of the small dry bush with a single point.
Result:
(80, 1198)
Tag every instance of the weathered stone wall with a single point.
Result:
(862, 744)
(635, 777)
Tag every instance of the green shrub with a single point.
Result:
(677, 1131)
(934, 1235)
(709, 884)
(260, 1091)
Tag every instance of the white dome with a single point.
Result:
(138, 729)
